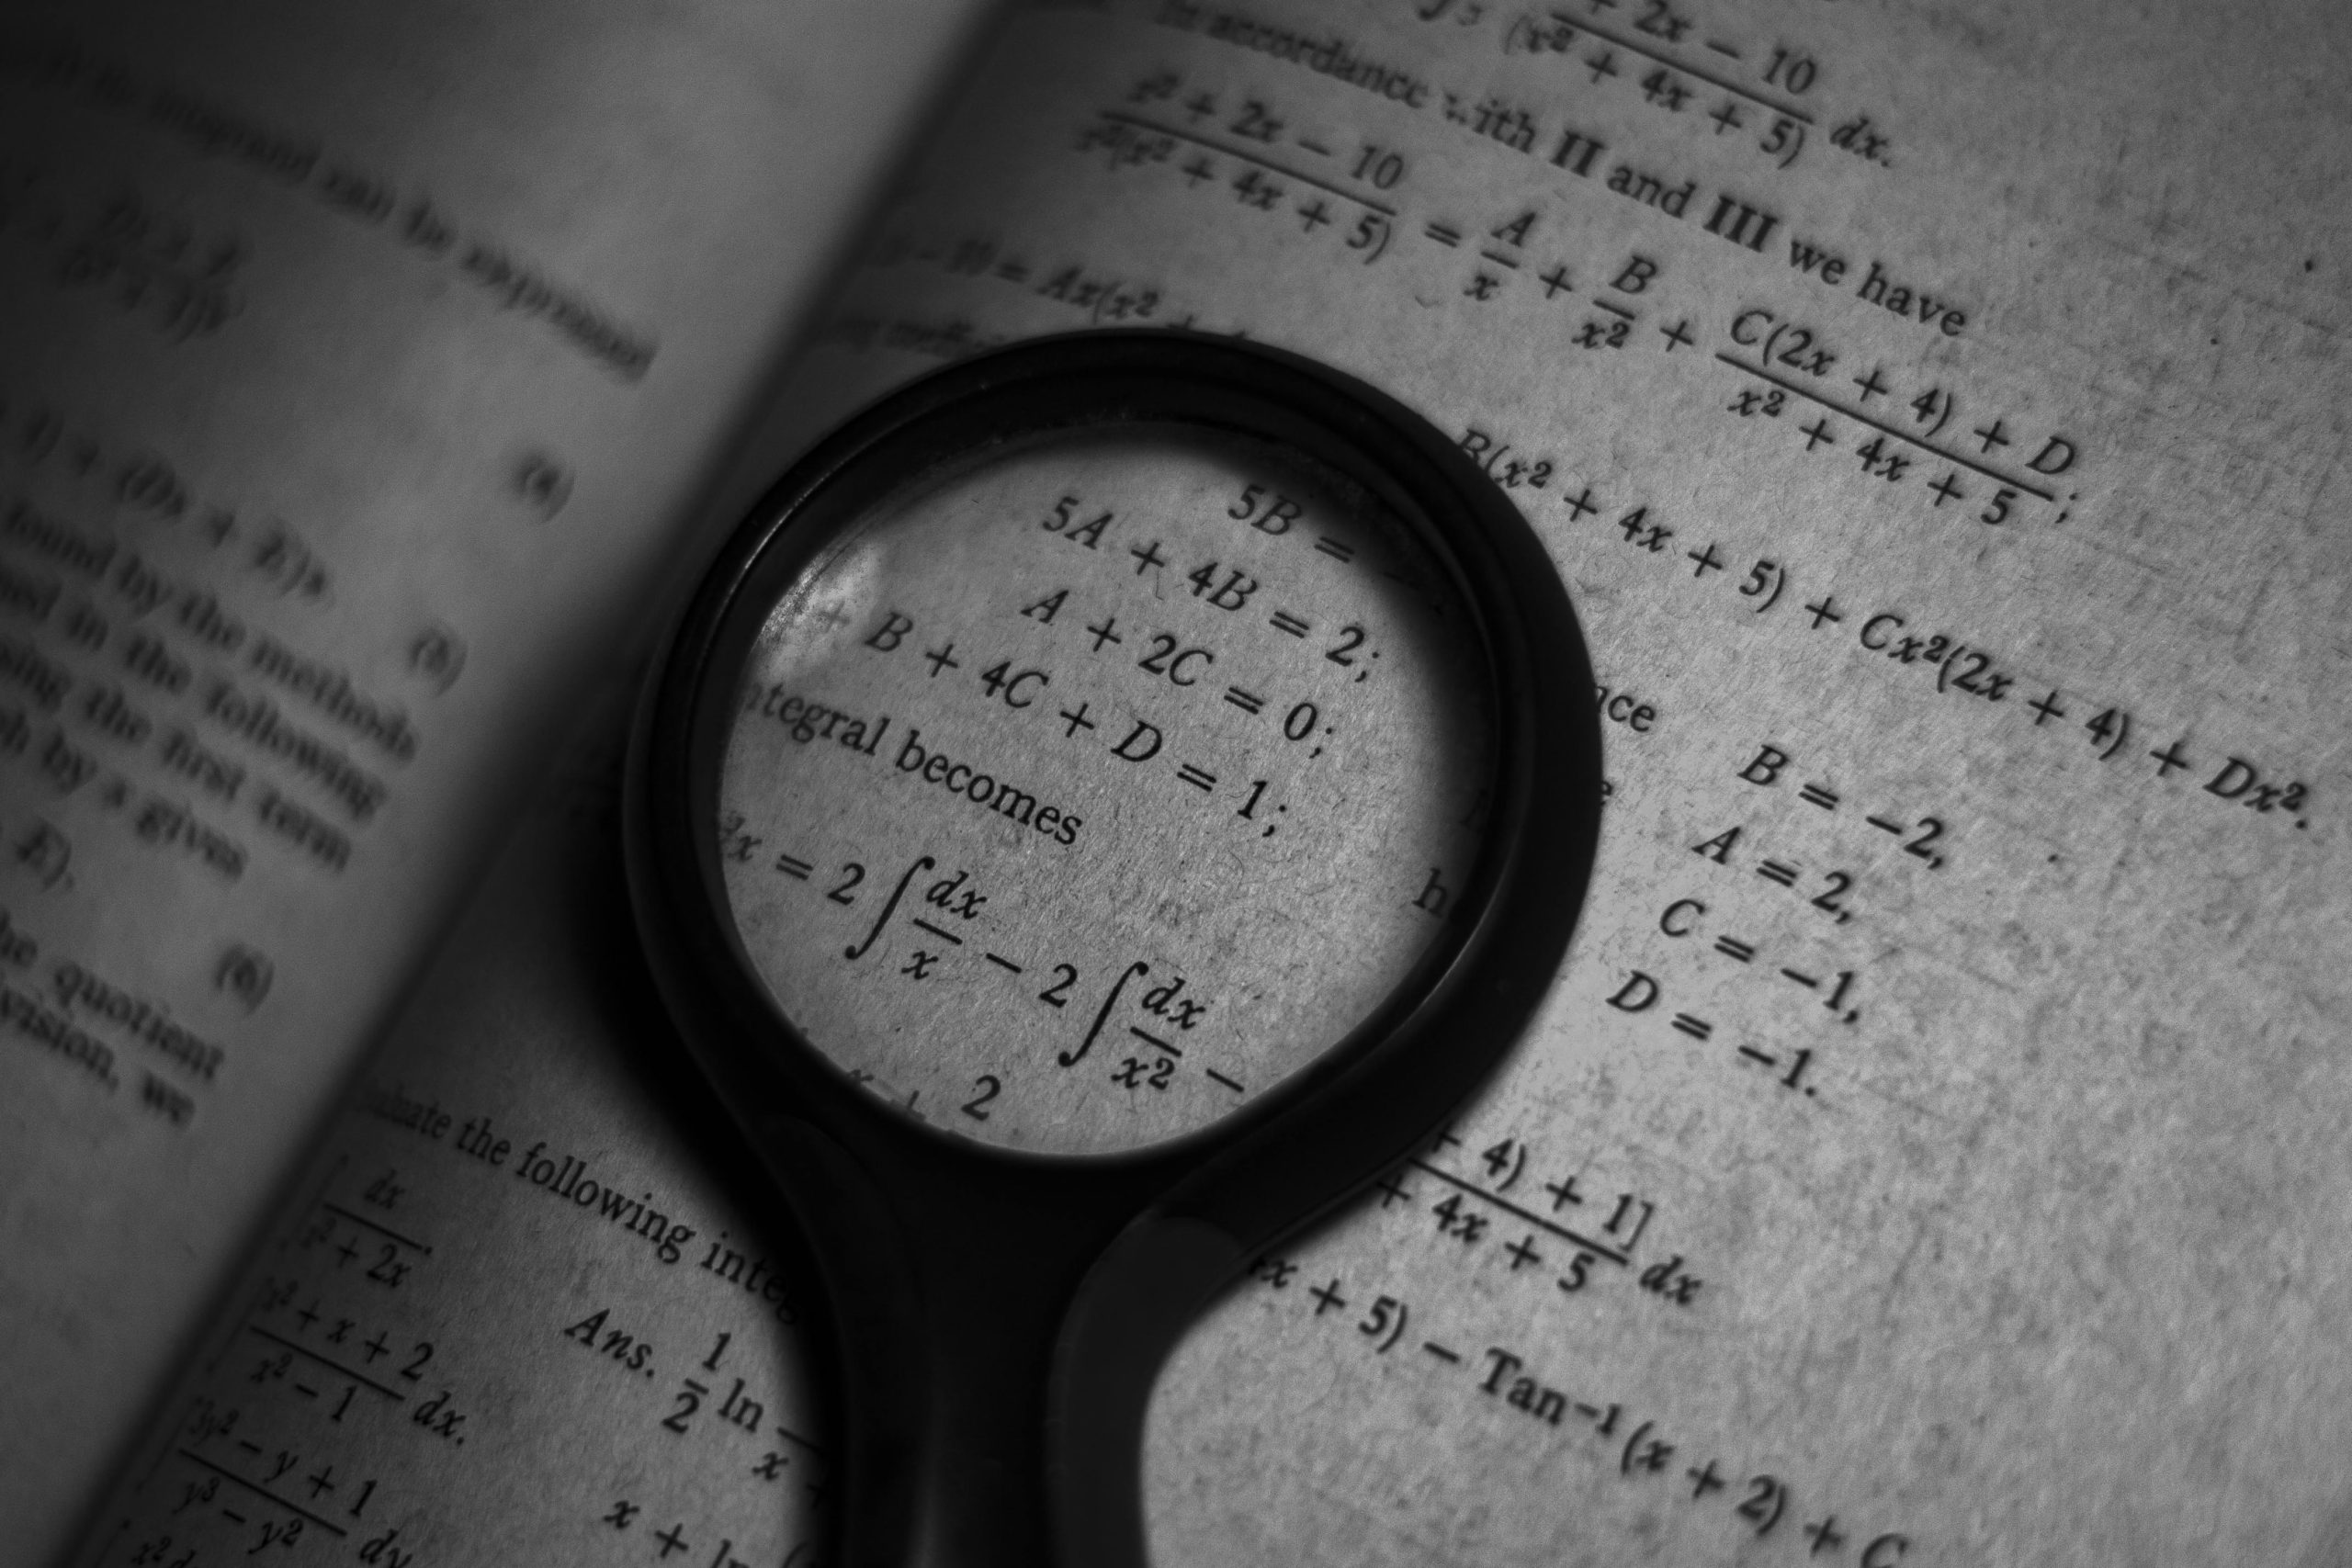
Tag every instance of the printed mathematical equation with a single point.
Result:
(1153, 1003)
(1270, 157)
(1182, 660)
(1641, 991)
(1988, 468)
(1901, 441)
(1661, 51)
(1257, 152)
(145, 490)
(1088, 691)
(157, 267)
(1663, 55)
(707, 1396)
(1939, 662)
(1509, 1384)
(349, 1396)
(290, 1447)
(1652, 59)
(1471, 1212)
(249, 1494)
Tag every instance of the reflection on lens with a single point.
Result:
(1077, 796)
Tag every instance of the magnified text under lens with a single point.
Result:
(1077, 796)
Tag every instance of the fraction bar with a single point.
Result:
(1142, 124)
(395, 1396)
(232, 1477)
(1833, 406)
(1154, 1040)
(944, 936)
(1611, 1253)
(385, 1231)
(1648, 53)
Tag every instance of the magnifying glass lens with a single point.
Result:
(1107, 801)
(1083, 790)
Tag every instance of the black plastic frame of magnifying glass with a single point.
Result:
(1001, 1316)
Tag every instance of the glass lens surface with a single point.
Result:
(1077, 796)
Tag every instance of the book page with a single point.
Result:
(357, 370)
(531, 1302)
(1934, 1149)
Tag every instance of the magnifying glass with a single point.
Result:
(1109, 801)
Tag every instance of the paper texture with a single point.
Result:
(1935, 1149)
(357, 370)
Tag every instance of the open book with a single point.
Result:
(1935, 1150)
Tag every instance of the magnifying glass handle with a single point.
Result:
(997, 1349)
